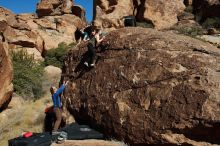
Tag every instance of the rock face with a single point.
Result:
(206, 8)
(162, 14)
(110, 13)
(147, 84)
(57, 29)
(54, 7)
(37, 35)
(6, 86)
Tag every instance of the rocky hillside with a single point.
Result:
(54, 23)
(148, 87)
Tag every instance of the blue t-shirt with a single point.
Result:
(56, 97)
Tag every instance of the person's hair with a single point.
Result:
(52, 90)
(93, 28)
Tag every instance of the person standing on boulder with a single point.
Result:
(57, 104)
(95, 39)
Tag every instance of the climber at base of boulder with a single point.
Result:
(94, 41)
(57, 104)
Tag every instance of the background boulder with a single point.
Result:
(37, 35)
(54, 7)
(109, 14)
(161, 14)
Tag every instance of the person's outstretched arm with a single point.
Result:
(98, 38)
(62, 87)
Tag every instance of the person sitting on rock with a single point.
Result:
(92, 45)
(57, 104)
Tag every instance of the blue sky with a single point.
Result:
(29, 6)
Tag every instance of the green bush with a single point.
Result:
(145, 24)
(190, 31)
(27, 75)
(189, 9)
(56, 56)
(211, 23)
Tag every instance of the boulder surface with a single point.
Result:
(147, 86)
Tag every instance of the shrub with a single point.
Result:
(189, 9)
(56, 56)
(27, 75)
(145, 24)
(211, 23)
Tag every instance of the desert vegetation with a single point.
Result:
(27, 75)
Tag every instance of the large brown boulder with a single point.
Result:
(161, 13)
(6, 86)
(146, 87)
(54, 7)
(206, 8)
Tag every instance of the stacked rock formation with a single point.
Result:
(53, 24)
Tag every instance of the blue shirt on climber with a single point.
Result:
(56, 97)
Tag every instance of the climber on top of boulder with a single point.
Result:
(95, 40)
(84, 35)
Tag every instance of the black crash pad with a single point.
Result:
(80, 132)
(74, 131)
(37, 139)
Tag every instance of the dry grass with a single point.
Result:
(28, 117)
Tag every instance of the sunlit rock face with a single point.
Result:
(161, 14)
(38, 34)
(54, 7)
